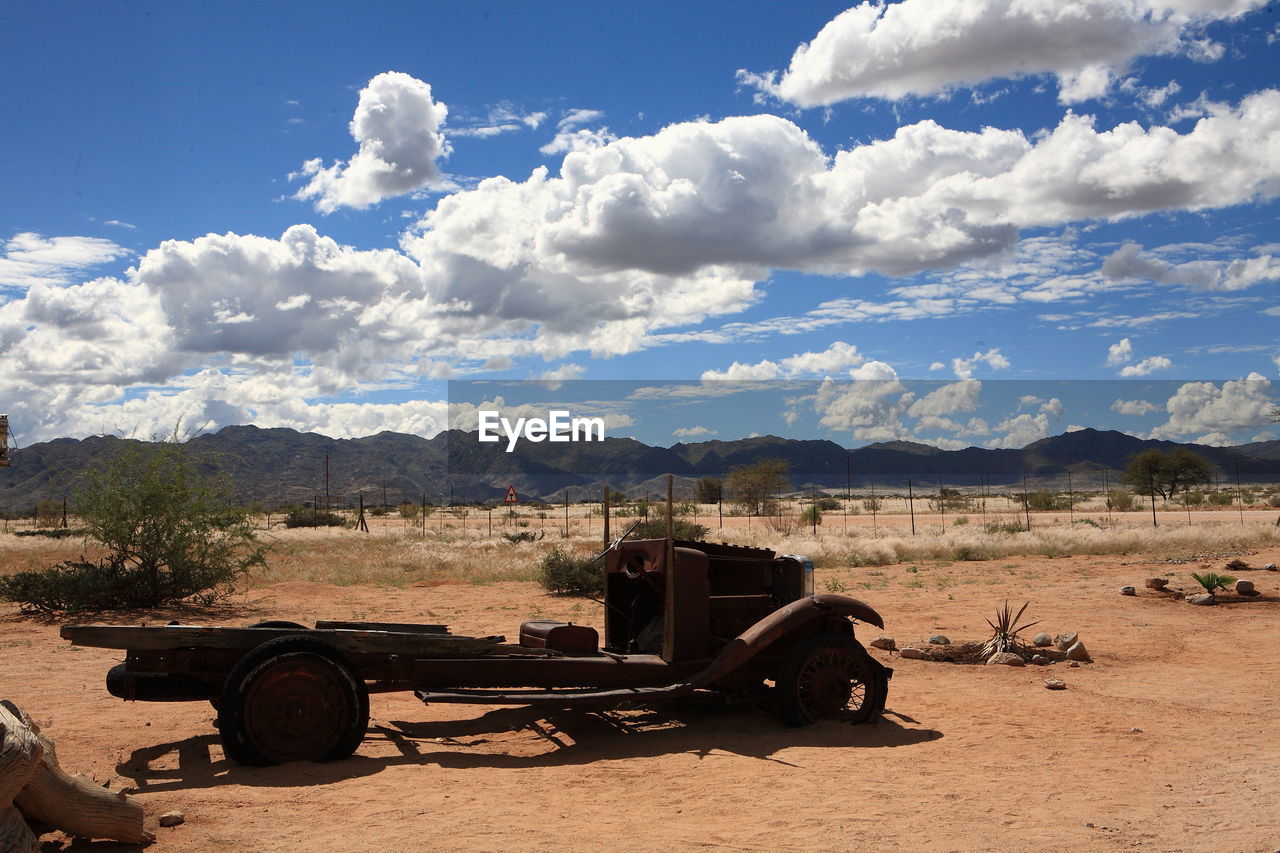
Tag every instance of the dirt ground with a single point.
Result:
(1169, 740)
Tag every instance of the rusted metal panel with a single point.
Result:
(568, 671)
(686, 629)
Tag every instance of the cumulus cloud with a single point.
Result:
(397, 127)
(1199, 408)
(1128, 262)
(1120, 352)
(834, 359)
(571, 135)
(927, 47)
(1147, 366)
(963, 367)
(693, 432)
(955, 397)
(29, 259)
(1134, 407)
(871, 409)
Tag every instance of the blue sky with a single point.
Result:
(314, 215)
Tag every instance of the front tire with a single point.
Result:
(292, 699)
(830, 676)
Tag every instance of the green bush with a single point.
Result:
(313, 518)
(562, 573)
(656, 528)
(1120, 500)
(1221, 498)
(812, 515)
(168, 533)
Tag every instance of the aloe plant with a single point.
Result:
(1005, 631)
(1212, 581)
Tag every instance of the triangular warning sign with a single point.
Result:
(511, 496)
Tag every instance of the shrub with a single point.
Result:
(1120, 500)
(1212, 581)
(1221, 498)
(827, 504)
(522, 536)
(1009, 527)
(562, 573)
(313, 518)
(872, 504)
(656, 528)
(812, 515)
(1005, 630)
(1044, 501)
(168, 533)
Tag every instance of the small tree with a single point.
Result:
(752, 485)
(1166, 472)
(169, 532)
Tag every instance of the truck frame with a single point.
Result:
(680, 616)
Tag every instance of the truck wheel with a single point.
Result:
(278, 623)
(292, 699)
(830, 676)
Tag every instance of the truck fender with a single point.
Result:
(779, 624)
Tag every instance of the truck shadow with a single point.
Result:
(563, 738)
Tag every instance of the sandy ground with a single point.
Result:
(1168, 741)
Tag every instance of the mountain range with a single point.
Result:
(282, 466)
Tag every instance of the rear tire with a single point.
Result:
(292, 699)
(830, 676)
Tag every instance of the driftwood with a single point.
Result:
(34, 788)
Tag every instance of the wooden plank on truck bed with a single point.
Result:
(159, 637)
(396, 627)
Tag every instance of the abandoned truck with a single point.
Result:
(680, 616)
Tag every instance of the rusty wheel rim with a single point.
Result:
(831, 684)
(297, 708)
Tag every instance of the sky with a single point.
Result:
(319, 216)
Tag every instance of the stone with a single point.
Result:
(1244, 587)
(912, 653)
(1067, 640)
(1040, 660)
(885, 643)
(172, 818)
(1055, 684)
(940, 640)
(1042, 640)
(1078, 652)
(1204, 599)
(1128, 590)
(1157, 583)
(1073, 663)
(1005, 659)
(1271, 567)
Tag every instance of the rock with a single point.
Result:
(940, 640)
(1073, 663)
(1039, 660)
(885, 643)
(1135, 730)
(1271, 567)
(1244, 587)
(1203, 599)
(172, 818)
(911, 653)
(1078, 652)
(1005, 659)
(1157, 583)
(1128, 590)
(1067, 640)
(1042, 639)
(1055, 684)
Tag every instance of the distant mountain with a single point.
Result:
(283, 466)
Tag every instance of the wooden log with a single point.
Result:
(73, 804)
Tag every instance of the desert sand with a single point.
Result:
(1168, 740)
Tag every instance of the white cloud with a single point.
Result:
(29, 259)
(397, 126)
(1134, 407)
(955, 397)
(927, 47)
(963, 367)
(1209, 275)
(871, 409)
(1147, 366)
(1200, 408)
(1120, 352)
(693, 432)
(834, 359)
(572, 136)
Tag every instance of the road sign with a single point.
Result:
(511, 496)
